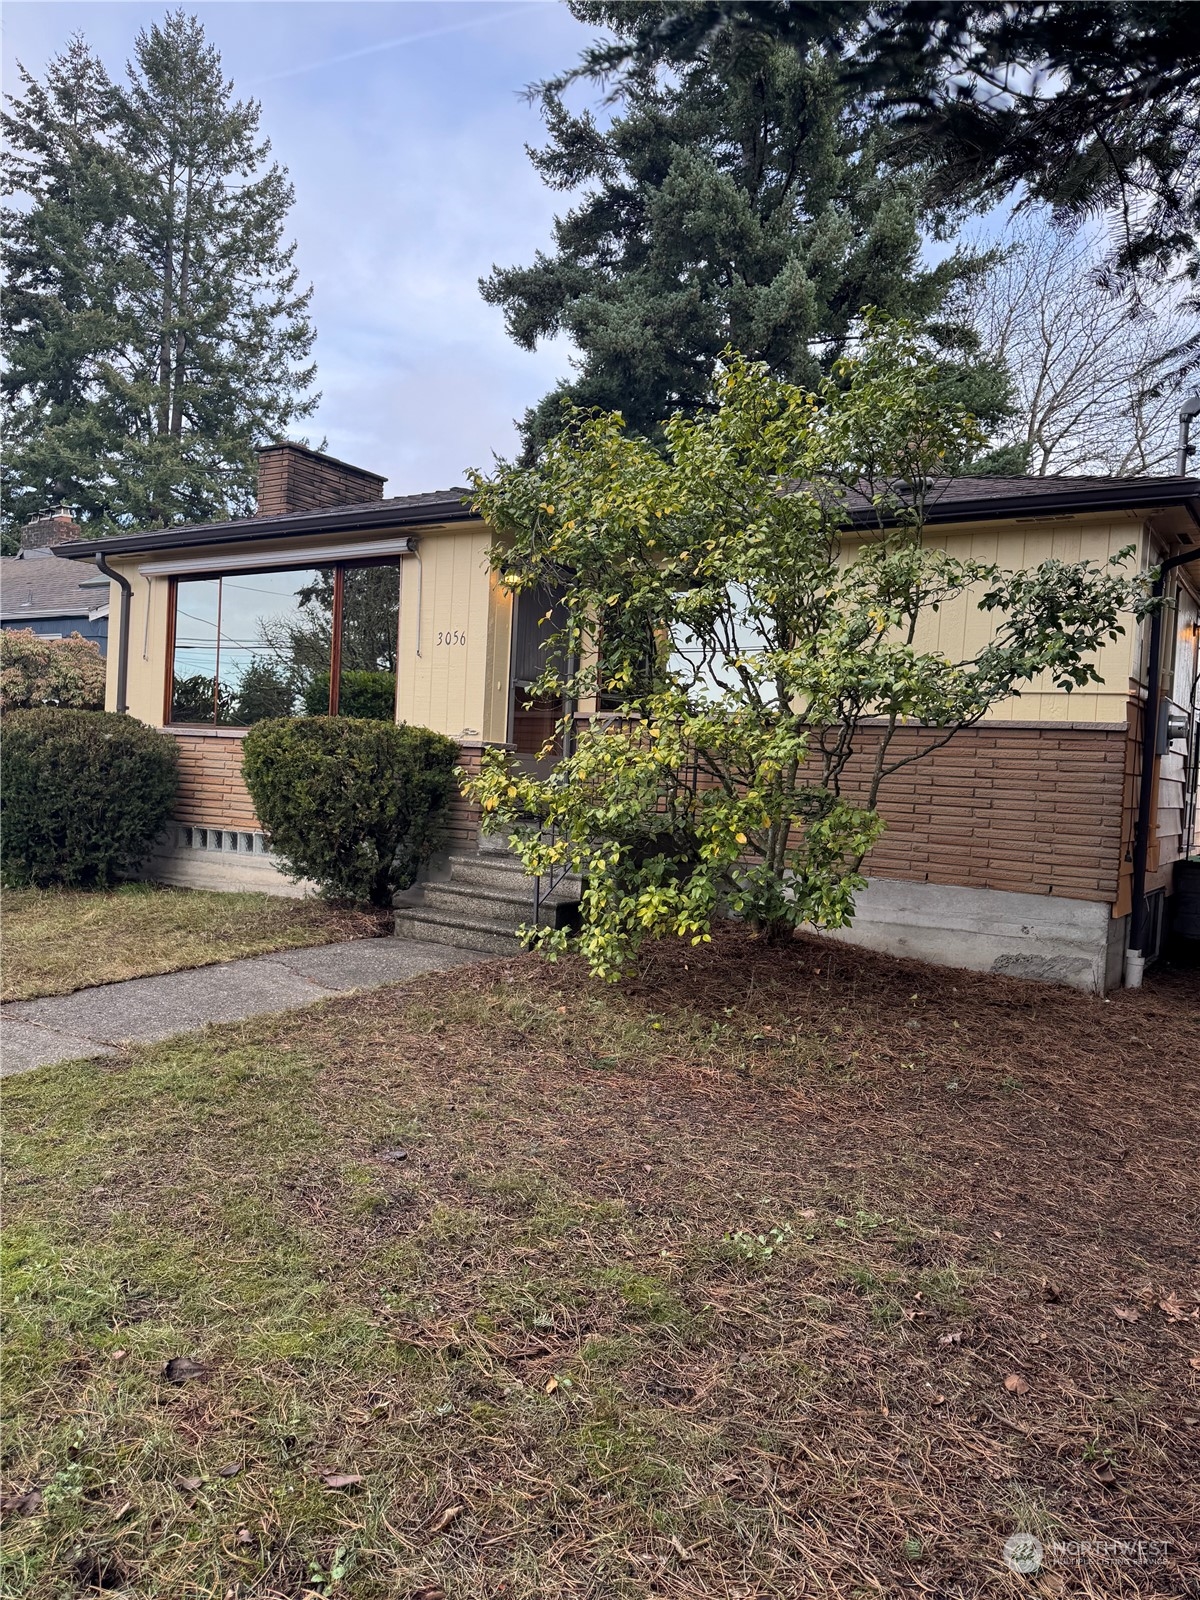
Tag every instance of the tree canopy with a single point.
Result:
(739, 200)
(1088, 105)
(154, 329)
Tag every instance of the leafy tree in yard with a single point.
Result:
(153, 328)
(36, 671)
(738, 202)
(761, 643)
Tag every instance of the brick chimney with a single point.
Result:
(293, 478)
(47, 528)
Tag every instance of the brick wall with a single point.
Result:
(212, 793)
(1034, 809)
(464, 814)
(292, 478)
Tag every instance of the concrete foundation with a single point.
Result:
(1052, 939)
(219, 858)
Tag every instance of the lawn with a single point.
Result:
(59, 940)
(771, 1274)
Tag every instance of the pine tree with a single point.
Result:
(59, 312)
(142, 400)
(740, 201)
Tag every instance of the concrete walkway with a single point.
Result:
(93, 1022)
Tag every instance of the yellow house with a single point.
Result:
(1022, 846)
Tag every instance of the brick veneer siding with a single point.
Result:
(463, 833)
(212, 792)
(1036, 809)
(292, 478)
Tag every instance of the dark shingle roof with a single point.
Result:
(954, 500)
(34, 583)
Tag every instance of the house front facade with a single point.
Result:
(1022, 846)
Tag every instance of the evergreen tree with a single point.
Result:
(739, 201)
(60, 255)
(155, 332)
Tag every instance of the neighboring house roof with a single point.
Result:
(954, 500)
(31, 585)
(441, 505)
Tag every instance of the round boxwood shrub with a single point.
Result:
(85, 794)
(352, 803)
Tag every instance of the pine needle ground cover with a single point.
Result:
(58, 940)
(768, 1274)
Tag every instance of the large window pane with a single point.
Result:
(193, 690)
(255, 645)
(369, 636)
(276, 629)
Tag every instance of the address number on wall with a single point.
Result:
(451, 636)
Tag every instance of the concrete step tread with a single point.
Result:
(516, 897)
(467, 932)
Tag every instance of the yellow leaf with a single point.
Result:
(551, 1385)
(740, 837)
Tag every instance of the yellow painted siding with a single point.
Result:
(960, 629)
(446, 638)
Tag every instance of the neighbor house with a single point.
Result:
(1022, 846)
(39, 593)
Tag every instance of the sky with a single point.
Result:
(403, 126)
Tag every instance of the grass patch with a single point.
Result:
(60, 940)
(728, 1313)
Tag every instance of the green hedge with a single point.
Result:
(85, 794)
(354, 804)
(360, 694)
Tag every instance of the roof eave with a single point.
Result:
(255, 530)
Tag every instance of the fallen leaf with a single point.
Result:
(451, 1514)
(118, 1355)
(190, 1484)
(551, 1385)
(1173, 1308)
(1050, 1293)
(1015, 1384)
(680, 1549)
(1127, 1313)
(953, 1337)
(436, 1592)
(23, 1504)
(341, 1480)
(1103, 1472)
(939, 1399)
(180, 1368)
(231, 1471)
(1195, 1362)
(395, 1155)
(809, 1213)
(244, 1536)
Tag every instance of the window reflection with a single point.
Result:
(256, 645)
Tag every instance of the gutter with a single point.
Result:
(256, 530)
(1135, 957)
(123, 629)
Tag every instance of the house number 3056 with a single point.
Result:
(451, 636)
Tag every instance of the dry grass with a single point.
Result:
(58, 940)
(708, 1286)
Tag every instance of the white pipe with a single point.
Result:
(1135, 965)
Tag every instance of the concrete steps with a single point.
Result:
(482, 902)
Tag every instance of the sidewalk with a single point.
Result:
(93, 1022)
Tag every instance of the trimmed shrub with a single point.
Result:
(35, 671)
(85, 794)
(352, 803)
